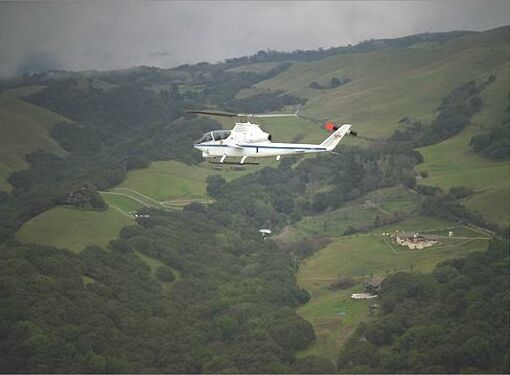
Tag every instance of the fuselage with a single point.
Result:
(256, 150)
(247, 140)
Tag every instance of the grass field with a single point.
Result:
(453, 163)
(356, 213)
(74, 228)
(170, 180)
(334, 315)
(164, 184)
(121, 202)
(24, 128)
(389, 84)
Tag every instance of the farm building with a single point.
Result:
(415, 240)
(373, 285)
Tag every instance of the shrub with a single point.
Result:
(164, 274)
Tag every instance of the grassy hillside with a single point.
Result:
(386, 86)
(73, 228)
(452, 162)
(121, 202)
(334, 314)
(391, 83)
(356, 213)
(25, 128)
(164, 184)
(173, 180)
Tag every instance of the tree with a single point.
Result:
(215, 183)
(334, 82)
(315, 85)
(163, 273)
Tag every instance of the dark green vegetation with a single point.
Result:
(273, 197)
(262, 102)
(120, 124)
(231, 311)
(333, 82)
(192, 287)
(453, 320)
(494, 143)
(25, 128)
(454, 114)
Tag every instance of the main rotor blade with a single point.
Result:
(230, 114)
(214, 113)
(262, 115)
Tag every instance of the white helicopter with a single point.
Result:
(247, 140)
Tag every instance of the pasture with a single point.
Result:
(173, 180)
(453, 163)
(334, 314)
(121, 202)
(74, 228)
(389, 84)
(356, 213)
(25, 128)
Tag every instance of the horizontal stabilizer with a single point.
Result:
(332, 141)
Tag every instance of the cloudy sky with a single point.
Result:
(114, 34)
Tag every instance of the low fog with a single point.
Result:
(37, 36)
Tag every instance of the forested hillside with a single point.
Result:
(177, 279)
(453, 320)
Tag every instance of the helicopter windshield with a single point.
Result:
(216, 135)
(207, 137)
(220, 134)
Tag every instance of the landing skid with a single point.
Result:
(232, 163)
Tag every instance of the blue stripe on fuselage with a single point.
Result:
(260, 146)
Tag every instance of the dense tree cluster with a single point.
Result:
(334, 82)
(454, 114)
(103, 311)
(436, 203)
(273, 197)
(260, 103)
(86, 196)
(454, 320)
(494, 143)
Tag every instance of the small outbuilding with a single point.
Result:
(373, 285)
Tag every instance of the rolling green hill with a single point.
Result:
(164, 184)
(173, 180)
(391, 83)
(385, 85)
(25, 128)
(453, 162)
(334, 314)
(73, 228)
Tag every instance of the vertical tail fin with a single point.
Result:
(332, 141)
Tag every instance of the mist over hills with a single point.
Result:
(43, 62)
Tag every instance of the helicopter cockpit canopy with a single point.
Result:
(216, 135)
